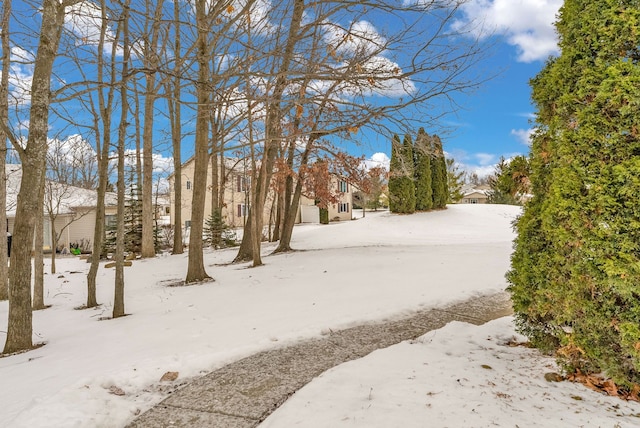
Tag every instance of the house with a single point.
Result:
(70, 210)
(475, 195)
(236, 193)
(342, 210)
(237, 196)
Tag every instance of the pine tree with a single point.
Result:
(422, 172)
(408, 181)
(402, 198)
(438, 174)
(510, 182)
(455, 180)
(218, 233)
(133, 220)
(576, 263)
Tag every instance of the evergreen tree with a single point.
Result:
(219, 234)
(510, 182)
(133, 220)
(438, 174)
(576, 265)
(422, 156)
(402, 198)
(455, 179)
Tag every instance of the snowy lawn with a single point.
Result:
(383, 266)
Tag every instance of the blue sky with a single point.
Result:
(496, 119)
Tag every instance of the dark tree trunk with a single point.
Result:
(195, 269)
(4, 119)
(33, 157)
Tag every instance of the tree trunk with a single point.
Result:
(4, 118)
(175, 110)
(33, 157)
(195, 269)
(38, 262)
(176, 135)
(151, 63)
(148, 244)
(251, 241)
(103, 159)
(292, 201)
(118, 299)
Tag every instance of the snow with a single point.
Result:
(382, 266)
(457, 376)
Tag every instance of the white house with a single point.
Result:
(70, 210)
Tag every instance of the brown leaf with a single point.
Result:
(169, 377)
(116, 391)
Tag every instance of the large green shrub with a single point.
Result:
(438, 174)
(402, 197)
(422, 172)
(575, 277)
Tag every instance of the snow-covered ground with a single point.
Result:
(374, 268)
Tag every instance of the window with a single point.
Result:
(242, 183)
(110, 221)
(188, 185)
(167, 210)
(343, 207)
(473, 200)
(343, 186)
(187, 224)
(242, 210)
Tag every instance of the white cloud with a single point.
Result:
(482, 164)
(360, 38)
(84, 20)
(20, 76)
(161, 164)
(485, 158)
(376, 160)
(523, 135)
(526, 24)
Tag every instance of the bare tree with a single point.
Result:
(38, 256)
(151, 60)
(346, 77)
(207, 45)
(174, 107)
(4, 120)
(118, 301)
(195, 269)
(101, 113)
(33, 157)
(263, 170)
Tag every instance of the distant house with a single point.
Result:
(73, 209)
(475, 195)
(237, 197)
(162, 209)
(342, 210)
(236, 193)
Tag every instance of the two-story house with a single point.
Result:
(237, 196)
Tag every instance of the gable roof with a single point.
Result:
(67, 198)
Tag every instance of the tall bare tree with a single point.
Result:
(118, 301)
(4, 120)
(174, 107)
(33, 157)
(262, 171)
(151, 60)
(195, 269)
(102, 118)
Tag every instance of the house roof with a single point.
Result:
(468, 191)
(65, 199)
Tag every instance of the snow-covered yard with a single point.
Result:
(369, 269)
